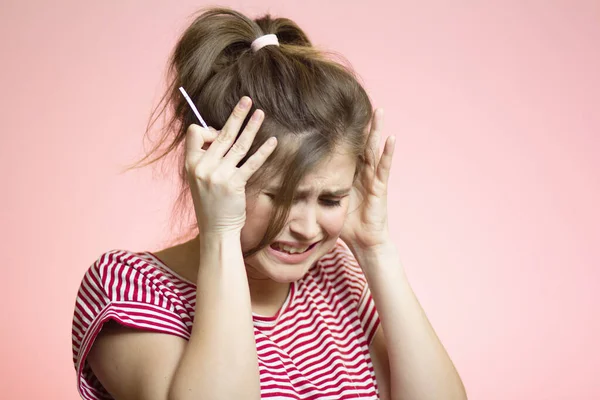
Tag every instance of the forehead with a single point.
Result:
(336, 172)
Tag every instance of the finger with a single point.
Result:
(210, 137)
(385, 163)
(242, 145)
(195, 139)
(230, 130)
(374, 138)
(256, 161)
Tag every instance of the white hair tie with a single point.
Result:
(270, 39)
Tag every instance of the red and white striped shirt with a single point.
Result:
(316, 347)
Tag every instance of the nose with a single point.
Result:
(304, 223)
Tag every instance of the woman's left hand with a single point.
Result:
(366, 225)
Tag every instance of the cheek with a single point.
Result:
(332, 220)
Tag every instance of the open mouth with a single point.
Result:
(290, 249)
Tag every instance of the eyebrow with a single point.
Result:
(305, 192)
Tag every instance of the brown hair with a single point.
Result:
(312, 103)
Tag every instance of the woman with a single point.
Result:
(292, 278)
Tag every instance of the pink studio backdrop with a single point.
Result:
(495, 188)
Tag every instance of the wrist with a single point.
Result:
(214, 238)
(222, 251)
(375, 255)
(380, 246)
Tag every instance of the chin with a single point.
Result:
(283, 272)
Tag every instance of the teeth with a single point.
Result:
(289, 249)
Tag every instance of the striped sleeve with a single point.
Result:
(122, 287)
(367, 312)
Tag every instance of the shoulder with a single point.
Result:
(111, 264)
(340, 268)
(340, 261)
(122, 294)
(133, 290)
(123, 275)
(133, 283)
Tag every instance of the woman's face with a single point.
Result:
(312, 228)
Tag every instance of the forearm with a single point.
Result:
(420, 367)
(220, 360)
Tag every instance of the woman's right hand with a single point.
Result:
(218, 186)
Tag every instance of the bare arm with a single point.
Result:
(409, 360)
(220, 361)
(419, 367)
(135, 365)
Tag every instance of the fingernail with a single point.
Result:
(245, 102)
(257, 116)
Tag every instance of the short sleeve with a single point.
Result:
(367, 312)
(123, 287)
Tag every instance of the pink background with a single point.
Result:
(495, 188)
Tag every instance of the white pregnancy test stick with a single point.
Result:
(194, 109)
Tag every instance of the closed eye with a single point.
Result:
(325, 202)
(331, 203)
